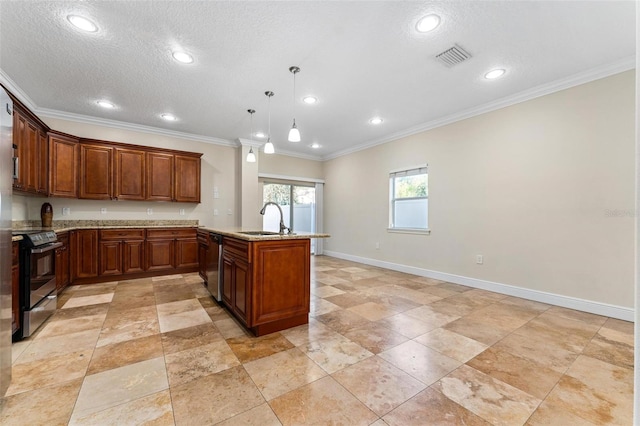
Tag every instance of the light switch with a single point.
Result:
(149, 211)
(215, 212)
(103, 210)
(66, 211)
(181, 212)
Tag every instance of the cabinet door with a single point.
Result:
(187, 179)
(227, 281)
(110, 258)
(242, 290)
(129, 174)
(160, 254)
(43, 164)
(30, 166)
(95, 172)
(133, 256)
(159, 176)
(203, 250)
(186, 252)
(84, 249)
(62, 262)
(64, 154)
(19, 136)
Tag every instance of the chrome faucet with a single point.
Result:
(282, 227)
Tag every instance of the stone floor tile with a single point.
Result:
(421, 362)
(190, 337)
(248, 348)
(262, 415)
(124, 353)
(199, 361)
(342, 320)
(374, 337)
(378, 384)
(320, 403)
(451, 344)
(77, 301)
(335, 353)
(372, 311)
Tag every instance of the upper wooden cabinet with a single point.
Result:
(187, 186)
(160, 176)
(31, 150)
(64, 155)
(96, 172)
(130, 179)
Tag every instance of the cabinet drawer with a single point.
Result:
(122, 234)
(165, 234)
(237, 247)
(203, 238)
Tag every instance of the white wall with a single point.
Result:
(543, 189)
(218, 170)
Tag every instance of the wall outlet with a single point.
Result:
(479, 259)
(103, 210)
(181, 212)
(215, 212)
(66, 211)
(229, 212)
(149, 212)
(377, 246)
(216, 194)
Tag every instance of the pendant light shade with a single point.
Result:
(294, 133)
(268, 147)
(251, 157)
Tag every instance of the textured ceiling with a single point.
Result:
(360, 59)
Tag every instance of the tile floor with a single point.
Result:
(381, 348)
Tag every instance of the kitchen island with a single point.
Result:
(266, 278)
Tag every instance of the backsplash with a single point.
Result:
(61, 224)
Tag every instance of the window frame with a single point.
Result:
(393, 175)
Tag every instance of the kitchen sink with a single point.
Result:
(258, 233)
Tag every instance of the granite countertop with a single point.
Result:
(69, 225)
(239, 234)
(15, 238)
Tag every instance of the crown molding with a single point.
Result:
(584, 77)
(11, 86)
(50, 113)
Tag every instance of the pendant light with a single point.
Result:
(294, 133)
(268, 147)
(251, 157)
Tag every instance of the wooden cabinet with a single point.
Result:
(130, 179)
(15, 288)
(62, 262)
(64, 155)
(121, 251)
(31, 152)
(187, 179)
(266, 283)
(236, 289)
(160, 176)
(96, 172)
(43, 164)
(171, 248)
(84, 249)
(203, 254)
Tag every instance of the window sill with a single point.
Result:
(409, 231)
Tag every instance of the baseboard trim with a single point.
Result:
(613, 311)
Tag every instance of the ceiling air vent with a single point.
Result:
(453, 56)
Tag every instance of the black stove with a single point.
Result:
(37, 289)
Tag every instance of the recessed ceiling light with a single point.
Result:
(494, 74)
(309, 100)
(376, 120)
(315, 145)
(260, 135)
(82, 23)
(106, 104)
(183, 57)
(428, 23)
(168, 117)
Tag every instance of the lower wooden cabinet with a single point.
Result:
(15, 287)
(121, 251)
(84, 250)
(62, 262)
(100, 255)
(171, 248)
(266, 284)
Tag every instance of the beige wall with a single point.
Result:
(218, 171)
(284, 165)
(544, 190)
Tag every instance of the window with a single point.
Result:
(409, 199)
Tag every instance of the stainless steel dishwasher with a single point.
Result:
(214, 266)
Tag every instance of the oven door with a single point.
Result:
(42, 272)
